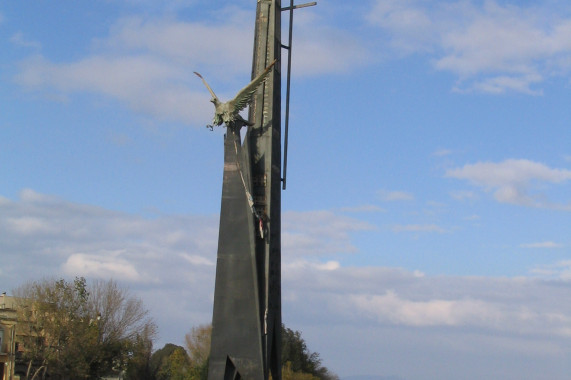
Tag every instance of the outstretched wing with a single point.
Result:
(244, 96)
(207, 86)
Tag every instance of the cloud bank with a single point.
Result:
(512, 181)
(169, 261)
(146, 63)
(490, 46)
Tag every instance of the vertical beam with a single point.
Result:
(288, 86)
(265, 155)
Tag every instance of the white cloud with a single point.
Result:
(374, 297)
(363, 208)
(389, 307)
(50, 235)
(317, 45)
(491, 46)
(157, 258)
(299, 264)
(419, 228)
(147, 64)
(543, 244)
(411, 25)
(19, 40)
(69, 237)
(31, 196)
(495, 38)
(25, 225)
(319, 232)
(559, 271)
(144, 83)
(442, 153)
(511, 179)
(463, 195)
(502, 84)
(169, 262)
(79, 264)
(174, 256)
(391, 196)
(190, 43)
(198, 260)
(457, 312)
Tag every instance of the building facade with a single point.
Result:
(7, 338)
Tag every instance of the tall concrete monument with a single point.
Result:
(246, 334)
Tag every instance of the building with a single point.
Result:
(8, 345)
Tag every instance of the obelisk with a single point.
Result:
(246, 335)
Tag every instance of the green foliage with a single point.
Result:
(298, 362)
(58, 333)
(197, 343)
(173, 363)
(69, 330)
(199, 371)
(139, 367)
(297, 359)
(295, 352)
(176, 366)
(160, 357)
(289, 374)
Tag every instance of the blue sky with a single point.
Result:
(425, 224)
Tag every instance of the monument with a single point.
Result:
(246, 321)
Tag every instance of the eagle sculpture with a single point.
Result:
(229, 112)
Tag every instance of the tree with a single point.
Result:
(53, 317)
(139, 367)
(198, 347)
(72, 331)
(178, 366)
(298, 363)
(125, 329)
(296, 357)
(171, 363)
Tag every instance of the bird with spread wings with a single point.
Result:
(229, 112)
